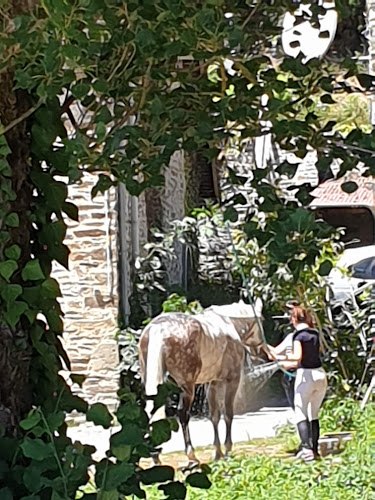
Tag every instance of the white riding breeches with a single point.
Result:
(309, 391)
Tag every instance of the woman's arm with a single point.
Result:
(280, 348)
(295, 355)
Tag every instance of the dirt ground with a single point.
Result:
(178, 460)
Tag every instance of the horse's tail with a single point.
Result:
(154, 371)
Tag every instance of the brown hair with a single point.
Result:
(301, 315)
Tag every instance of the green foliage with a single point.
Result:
(347, 349)
(47, 464)
(349, 112)
(178, 303)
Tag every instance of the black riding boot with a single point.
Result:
(315, 432)
(304, 433)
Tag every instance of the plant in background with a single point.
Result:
(151, 280)
(177, 303)
(348, 341)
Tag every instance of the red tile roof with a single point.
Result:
(330, 193)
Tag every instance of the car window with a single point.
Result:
(365, 269)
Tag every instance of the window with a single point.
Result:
(365, 269)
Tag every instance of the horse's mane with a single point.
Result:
(238, 310)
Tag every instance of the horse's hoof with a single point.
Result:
(191, 465)
(156, 458)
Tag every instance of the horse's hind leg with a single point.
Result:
(213, 396)
(230, 394)
(183, 411)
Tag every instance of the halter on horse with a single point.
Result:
(206, 348)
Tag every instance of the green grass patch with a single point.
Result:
(348, 475)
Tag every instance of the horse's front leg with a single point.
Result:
(183, 411)
(230, 394)
(214, 407)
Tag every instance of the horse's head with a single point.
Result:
(247, 320)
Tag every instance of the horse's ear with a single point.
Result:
(258, 307)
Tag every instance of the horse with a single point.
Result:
(206, 348)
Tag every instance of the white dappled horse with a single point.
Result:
(208, 348)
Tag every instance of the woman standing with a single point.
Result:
(311, 380)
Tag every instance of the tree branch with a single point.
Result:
(21, 118)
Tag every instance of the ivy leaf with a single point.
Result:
(157, 474)
(161, 431)
(80, 90)
(32, 271)
(36, 449)
(78, 378)
(55, 495)
(132, 436)
(349, 187)
(231, 214)
(325, 268)
(128, 412)
(4, 148)
(32, 419)
(198, 480)
(50, 288)
(365, 80)
(71, 210)
(33, 480)
(6, 494)
(5, 169)
(108, 495)
(100, 86)
(60, 253)
(10, 292)
(56, 193)
(101, 131)
(55, 420)
(122, 452)
(14, 312)
(12, 220)
(174, 491)
(118, 474)
(54, 320)
(99, 414)
(13, 252)
(7, 268)
(327, 99)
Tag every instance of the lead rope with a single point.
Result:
(250, 299)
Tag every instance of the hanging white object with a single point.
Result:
(264, 153)
(302, 38)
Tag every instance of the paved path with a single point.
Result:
(260, 424)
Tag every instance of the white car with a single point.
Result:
(354, 270)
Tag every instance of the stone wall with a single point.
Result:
(89, 292)
(172, 198)
(90, 287)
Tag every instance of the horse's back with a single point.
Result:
(176, 331)
(179, 339)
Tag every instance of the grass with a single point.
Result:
(263, 469)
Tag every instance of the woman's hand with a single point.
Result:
(271, 352)
(289, 365)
